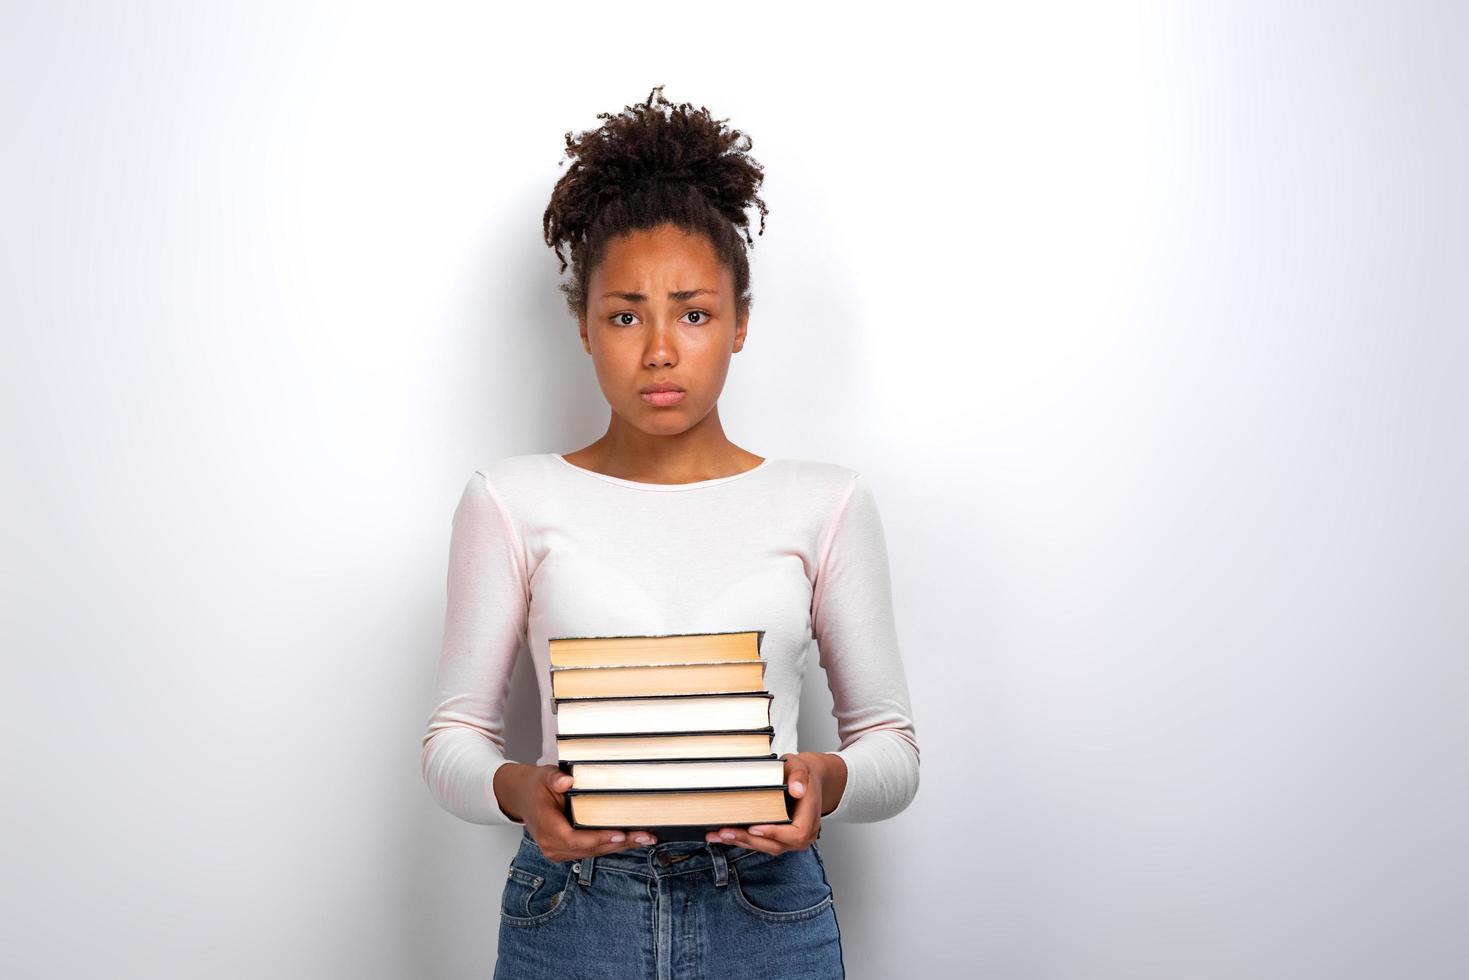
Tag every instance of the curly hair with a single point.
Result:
(643, 168)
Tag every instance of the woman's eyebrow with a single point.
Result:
(677, 296)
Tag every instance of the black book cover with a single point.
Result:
(565, 765)
(767, 730)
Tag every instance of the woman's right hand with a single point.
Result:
(536, 796)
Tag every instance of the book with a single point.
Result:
(753, 743)
(723, 773)
(693, 812)
(669, 713)
(672, 733)
(627, 651)
(668, 678)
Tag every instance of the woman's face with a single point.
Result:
(661, 309)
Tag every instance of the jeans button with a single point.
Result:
(576, 867)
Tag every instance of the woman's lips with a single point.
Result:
(662, 398)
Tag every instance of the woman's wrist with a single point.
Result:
(508, 784)
(831, 769)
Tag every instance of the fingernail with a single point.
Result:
(618, 838)
(798, 786)
(644, 839)
(727, 834)
(757, 833)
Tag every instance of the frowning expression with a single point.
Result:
(661, 314)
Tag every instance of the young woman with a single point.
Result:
(662, 526)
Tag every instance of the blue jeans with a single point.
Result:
(675, 910)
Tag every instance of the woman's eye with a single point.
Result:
(627, 318)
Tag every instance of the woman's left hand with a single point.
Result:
(803, 776)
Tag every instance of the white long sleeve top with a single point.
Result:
(541, 547)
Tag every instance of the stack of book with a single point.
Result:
(671, 733)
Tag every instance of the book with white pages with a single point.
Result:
(684, 713)
(674, 773)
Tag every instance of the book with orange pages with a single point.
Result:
(670, 678)
(632, 651)
(677, 814)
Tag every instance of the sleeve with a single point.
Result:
(852, 619)
(485, 623)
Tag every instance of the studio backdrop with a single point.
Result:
(1145, 323)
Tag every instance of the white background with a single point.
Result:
(1148, 326)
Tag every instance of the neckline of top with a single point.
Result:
(634, 484)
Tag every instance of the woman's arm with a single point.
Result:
(485, 623)
(853, 622)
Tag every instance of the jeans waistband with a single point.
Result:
(663, 859)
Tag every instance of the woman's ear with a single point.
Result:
(740, 326)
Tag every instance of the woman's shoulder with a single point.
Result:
(816, 488)
(523, 480)
(512, 472)
(817, 474)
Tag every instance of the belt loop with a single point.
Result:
(583, 869)
(721, 866)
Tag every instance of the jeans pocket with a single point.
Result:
(785, 887)
(530, 899)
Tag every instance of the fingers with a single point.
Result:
(557, 781)
(779, 838)
(770, 843)
(587, 843)
(807, 812)
(575, 843)
(572, 843)
(568, 843)
(560, 841)
(620, 840)
(798, 776)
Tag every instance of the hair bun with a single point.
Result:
(644, 149)
(652, 163)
